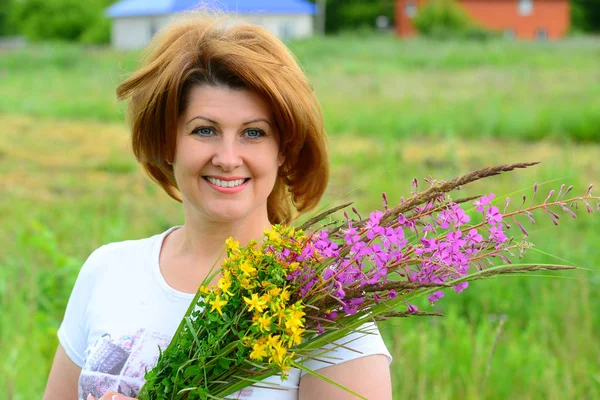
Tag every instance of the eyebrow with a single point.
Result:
(245, 123)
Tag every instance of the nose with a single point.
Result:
(227, 155)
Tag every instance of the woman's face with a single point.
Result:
(227, 154)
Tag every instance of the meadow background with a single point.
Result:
(394, 110)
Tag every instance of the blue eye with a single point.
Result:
(254, 133)
(203, 131)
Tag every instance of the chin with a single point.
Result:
(228, 215)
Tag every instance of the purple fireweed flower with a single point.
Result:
(306, 287)
(461, 217)
(435, 296)
(375, 231)
(379, 274)
(460, 286)
(493, 216)
(376, 298)
(374, 219)
(443, 220)
(455, 216)
(357, 247)
(351, 306)
(331, 315)
(325, 246)
(474, 237)
(403, 221)
(429, 245)
(454, 238)
(380, 256)
(351, 235)
(483, 201)
(307, 252)
(497, 234)
(340, 293)
(392, 294)
(328, 274)
(320, 328)
(427, 228)
(412, 309)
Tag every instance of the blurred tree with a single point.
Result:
(585, 15)
(445, 19)
(7, 25)
(344, 15)
(70, 20)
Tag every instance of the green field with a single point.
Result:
(394, 110)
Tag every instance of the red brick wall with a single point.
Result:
(551, 15)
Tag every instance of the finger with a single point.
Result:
(108, 395)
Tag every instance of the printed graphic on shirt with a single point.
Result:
(120, 364)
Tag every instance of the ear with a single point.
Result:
(280, 159)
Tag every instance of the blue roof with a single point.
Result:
(135, 8)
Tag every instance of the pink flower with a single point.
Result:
(493, 215)
(484, 201)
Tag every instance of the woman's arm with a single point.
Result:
(63, 379)
(368, 376)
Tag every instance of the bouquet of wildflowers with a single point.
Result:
(283, 300)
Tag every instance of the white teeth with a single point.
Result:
(220, 183)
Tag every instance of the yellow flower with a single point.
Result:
(293, 266)
(275, 291)
(247, 268)
(255, 303)
(295, 337)
(294, 320)
(257, 253)
(217, 303)
(273, 340)
(293, 323)
(259, 351)
(285, 295)
(225, 283)
(231, 243)
(278, 353)
(264, 323)
(204, 289)
(280, 316)
(247, 283)
(272, 234)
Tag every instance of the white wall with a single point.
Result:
(133, 33)
(284, 26)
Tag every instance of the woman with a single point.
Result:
(224, 120)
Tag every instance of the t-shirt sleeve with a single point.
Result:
(366, 341)
(73, 331)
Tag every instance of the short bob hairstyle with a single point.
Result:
(209, 50)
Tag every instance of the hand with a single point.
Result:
(110, 395)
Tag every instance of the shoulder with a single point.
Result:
(116, 254)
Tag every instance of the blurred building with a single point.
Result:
(527, 19)
(134, 22)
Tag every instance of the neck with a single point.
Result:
(203, 240)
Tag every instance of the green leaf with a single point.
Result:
(224, 362)
(192, 370)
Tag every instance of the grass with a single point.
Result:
(390, 88)
(69, 184)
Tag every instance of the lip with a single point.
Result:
(227, 190)
(226, 178)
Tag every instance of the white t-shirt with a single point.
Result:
(121, 309)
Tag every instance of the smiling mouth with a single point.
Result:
(226, 184)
